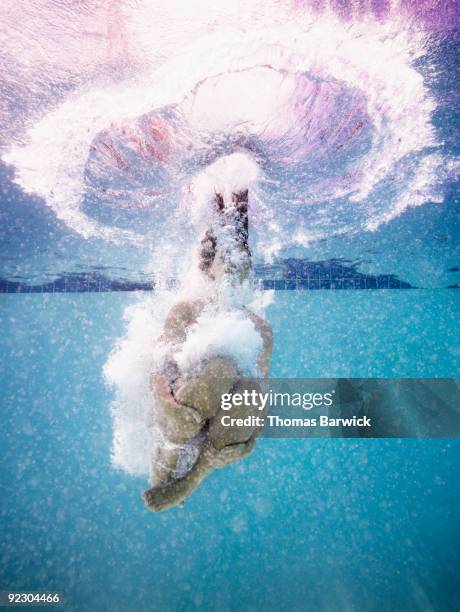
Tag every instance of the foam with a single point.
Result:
(334, 109)
(229, 333)
(128, 370)
(227, 175)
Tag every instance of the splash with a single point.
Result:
(334, 112)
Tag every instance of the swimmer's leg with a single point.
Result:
(176, 423)
(174, 493)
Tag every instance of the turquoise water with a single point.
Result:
(301, 524)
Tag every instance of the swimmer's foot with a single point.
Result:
(173, 493)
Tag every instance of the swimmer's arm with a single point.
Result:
(264, 329)
(179, 319)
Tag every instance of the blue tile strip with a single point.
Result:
(289, 274)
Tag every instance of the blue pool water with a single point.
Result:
(300, 524)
